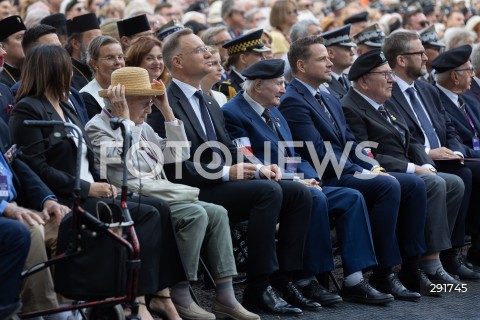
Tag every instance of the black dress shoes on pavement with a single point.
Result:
(391, 284)
(294, 296)
(268, 300)
(316, 292)
(418, 282)
(453, 263)
(363, 292)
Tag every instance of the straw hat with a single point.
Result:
(136, 82)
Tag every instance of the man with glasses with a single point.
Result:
(233, 15)
(372, 118)
(242, 53)
(81, 31)
(415, 20)
(317, 118)
(11, 35)
(454, 77)
(341, 52)
(433, 47)
(420, 105)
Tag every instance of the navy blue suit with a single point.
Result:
(448, 137)
(346, 205)
(384, 196)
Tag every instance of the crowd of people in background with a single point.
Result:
(206, 86)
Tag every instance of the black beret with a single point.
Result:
(83, 23)
(366, 63)
(339, 37)
(132, 26)
(359, 17)
(371, 36)
(429, 37)
(247, 42)
(10, 25)
(265, 69)
(58, 21)
(167, 29)
(452, 59)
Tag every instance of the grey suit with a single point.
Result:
(394, 152)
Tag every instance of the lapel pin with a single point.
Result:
(277, 121)
(209, 102)
(393, 118)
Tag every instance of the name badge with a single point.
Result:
(476, 143)
(3, 186)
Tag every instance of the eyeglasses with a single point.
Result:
(470, 70)
(112, 59)
(242, 13)
(386, 74)
(294, 11)
(196, 51)
(420, 53)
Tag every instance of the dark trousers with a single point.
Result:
(397, 210)
(264, 204)
(161, 266)
(347, 209)
(470, 175)
(14, 245)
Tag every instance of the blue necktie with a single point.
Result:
(424, 121)
(207, 122)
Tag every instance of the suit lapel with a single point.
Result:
(184, 104)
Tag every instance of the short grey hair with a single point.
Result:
(456, 37)
(171, 44)
(443, 77)
(208, 37)
(248, 84)
(476, 58)
(300, 29)
(95, 45)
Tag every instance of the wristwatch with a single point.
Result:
(432, 169)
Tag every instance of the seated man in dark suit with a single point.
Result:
(22, 192)
(237, 187)
(244, 118)
(428, 123)
(317, 119)
(455, 75)
(371, 119)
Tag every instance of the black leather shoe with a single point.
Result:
(316, 292)
(294, 296)
(441, 276)
(391, 284)
(268, 300)
(418, 282)
(364, 293)
(453, 263)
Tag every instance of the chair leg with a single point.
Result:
(207, 276)
(335, 282)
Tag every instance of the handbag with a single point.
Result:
(96, 264)
(168, 191)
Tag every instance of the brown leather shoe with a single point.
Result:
(238, 313)
(194, 312)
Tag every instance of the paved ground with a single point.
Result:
(453, 305)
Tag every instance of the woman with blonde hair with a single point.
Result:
(283, 16)
(214, 77)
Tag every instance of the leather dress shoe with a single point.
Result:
(292, 295)
(441, 276)
(316, 292)
(363, 292)
(453, 263)
(268, 300)
(237, 313)
(391, 284)
(193, 312)
(417, 281)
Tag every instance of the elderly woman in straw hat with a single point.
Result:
(196, 223)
